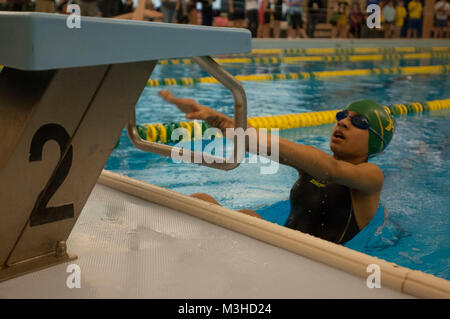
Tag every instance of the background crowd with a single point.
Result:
(271, 18)
(348, 20)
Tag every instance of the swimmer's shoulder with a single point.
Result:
(375, 172)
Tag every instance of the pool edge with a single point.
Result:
(402, 279)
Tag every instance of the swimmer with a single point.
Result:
(337, 195)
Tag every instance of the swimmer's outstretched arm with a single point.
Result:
(196, 111)
(366, 177)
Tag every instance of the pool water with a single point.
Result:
(416, 164)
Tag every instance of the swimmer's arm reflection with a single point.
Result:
(355, 174)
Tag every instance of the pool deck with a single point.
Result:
(131, 248)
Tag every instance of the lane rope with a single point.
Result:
(161, 132)
(433, 69)
(316, 58)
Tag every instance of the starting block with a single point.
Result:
(65, 97)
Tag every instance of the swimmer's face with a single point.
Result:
(348, 141)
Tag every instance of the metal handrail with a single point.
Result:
(240, 121)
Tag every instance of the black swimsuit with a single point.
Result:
(322, 210)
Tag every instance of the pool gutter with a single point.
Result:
(412, 282)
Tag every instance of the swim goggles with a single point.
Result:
(358, 121)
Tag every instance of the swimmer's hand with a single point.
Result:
(196, 111)
(193, 110)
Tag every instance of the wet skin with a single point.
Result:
(347, 166)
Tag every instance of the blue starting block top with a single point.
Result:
(43, 41)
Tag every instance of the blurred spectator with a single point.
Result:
(45, 6)
(442, 9)
(156, 16)
(88, 8)
(192, 12)
(334, 18)
(17, 5)
(314, 7)
(3, 5)
(207, 12)
(415, 14)
(168, 10)
(182, 12)
(295, 20)
(400, 15)
(221, 21)
(61, 8)
(264, 19)
(277, 17)
(356, 19)
(389, 18)
(128, 7)
(342, 21)
(251, 7)
(237, 12)
(186, 12)
(110, 8)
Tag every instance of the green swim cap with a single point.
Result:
(380, 120)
